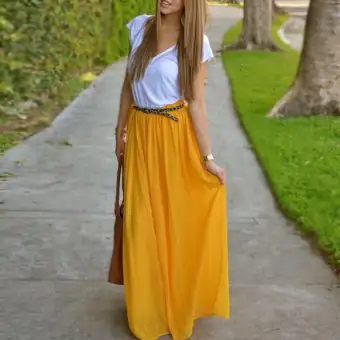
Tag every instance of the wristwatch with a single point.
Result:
(207, 158)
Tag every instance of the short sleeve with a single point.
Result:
(136, 27)
(207, 51)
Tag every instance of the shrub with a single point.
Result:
(44, 43)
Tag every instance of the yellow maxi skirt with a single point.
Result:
(175, 229)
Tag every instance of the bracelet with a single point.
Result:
(117, 130)
(207, 158)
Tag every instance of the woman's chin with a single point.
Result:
(166, 10)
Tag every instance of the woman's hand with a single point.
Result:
(216, 170)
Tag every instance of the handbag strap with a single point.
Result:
(118, 180)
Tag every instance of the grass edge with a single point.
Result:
(308, 235)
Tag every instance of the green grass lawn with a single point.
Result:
(300, 156)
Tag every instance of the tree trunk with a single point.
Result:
(257, 27)
(316, 89)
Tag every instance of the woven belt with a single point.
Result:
(164, 111)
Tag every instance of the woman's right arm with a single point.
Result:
(124, 106)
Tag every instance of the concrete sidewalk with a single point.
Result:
(56, 231)
(290, 3)
(293, 30)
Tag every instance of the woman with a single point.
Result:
(175, 242)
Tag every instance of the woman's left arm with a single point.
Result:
(198, 112)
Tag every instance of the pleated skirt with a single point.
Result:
(175, 255)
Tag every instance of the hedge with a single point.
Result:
(43, 43)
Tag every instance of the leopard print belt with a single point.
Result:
(163, 111)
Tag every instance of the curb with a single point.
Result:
(282, 36)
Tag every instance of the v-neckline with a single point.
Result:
(163, 52)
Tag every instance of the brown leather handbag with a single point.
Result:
(116, 266)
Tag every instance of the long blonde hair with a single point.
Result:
(190, 45)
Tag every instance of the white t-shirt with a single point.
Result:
(159, 86)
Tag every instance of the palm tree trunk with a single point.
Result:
(316, 89)
(257, 27)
